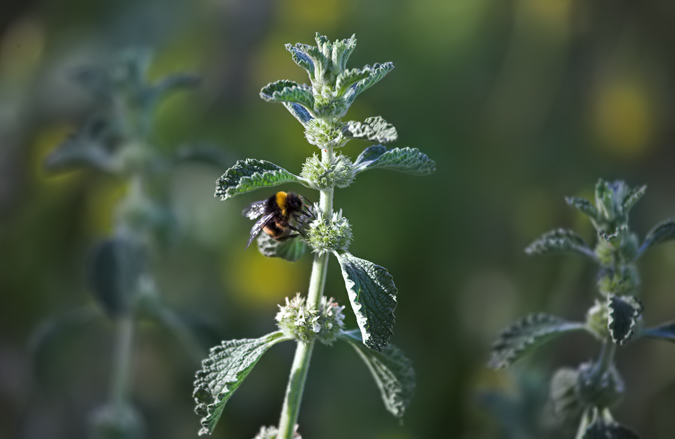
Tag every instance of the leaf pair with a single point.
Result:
(231, 362)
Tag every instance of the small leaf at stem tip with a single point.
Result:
(299, 112)
(374, 129)
(560, 240)
(392, 371)
(223, 372)
(372, 294)
(622, 318)
(527, 334)
(583, 205)
(251, 174)
(632, 197)
(407, 160)
(662, 232)
(355, 81)
(288, 91)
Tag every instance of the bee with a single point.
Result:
(277, 212)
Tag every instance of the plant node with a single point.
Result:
(325, 133)
(329, 233)
(338, 173)
(305, 323)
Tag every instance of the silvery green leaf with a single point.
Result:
(301, 55)
(665, 331)
(299, 112)
(342, 50)
(290, 249)
(603, 429)
(356, 81)
(527, 334)
(559, 240)
(372, 294)
(663, 232)
(391, 369)
(251, 174)
(114, 270)
(632, 197)
(288, 91)
(89, 146)
(374, 129)
(407, 160)
(583, 205)
(223, 372)
(623, 315)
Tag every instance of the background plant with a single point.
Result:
(319, 107)
(586, 394)
(118, 140)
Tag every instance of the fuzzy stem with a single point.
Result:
(303, 351)
(119, 385)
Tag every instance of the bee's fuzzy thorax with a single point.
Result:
(281, 201)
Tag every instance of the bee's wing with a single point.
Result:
(258, 226)
(254, 210)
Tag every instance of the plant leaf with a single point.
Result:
(89, 146)
(560, 240)
(662, 232)
(288, 91)
(583, 205)
(356, 81)
(665, 331)
(301, 57)
(407, 160)
(372, 294)
(632, 197)
(623, 315)
(374, 129)
(223, 372)
(299, 112)
(251, 174)
(342, 50)
(115, 267)
(527, 334)
(391, 369)
(290, 249)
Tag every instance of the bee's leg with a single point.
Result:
(295, 229)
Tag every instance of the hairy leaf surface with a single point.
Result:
(374, 129)
(559, 240)
(583, 205)
(663, 232)
(392, 371)
(356, 81)
(288, 91)
(623, 315)
(527, 334)
(251, 174)
(407, 160)
(223, 372)
(290, 249)
(372, 294)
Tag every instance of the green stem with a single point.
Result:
(303, 351)
(121, 363)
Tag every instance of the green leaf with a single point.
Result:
(114, 270)
(288, 91)
(665, 331)
(372, 294)
(602, 429)
(342, 50)
(623, 315)
(90, 146)
(300, 54)
(356, 81)
(632, 197)
(251, 174)
(583, 205)
(290, 249)
(663, 232)
(223, 372)
(374, 129)
(299, 112)
(527, 334)
(392, 371)
(407, 160)
(560, 240)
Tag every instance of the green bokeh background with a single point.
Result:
(520, 102)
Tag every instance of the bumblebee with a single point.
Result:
(277, 212)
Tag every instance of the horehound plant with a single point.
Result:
(119, 140)
(587, 394)
(319, 107)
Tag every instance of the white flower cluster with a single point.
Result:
(272, 432)
(305, 323)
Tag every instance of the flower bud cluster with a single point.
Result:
(273, 432)
(325, 133)
(338, 173)
(329, 233)
(305, 323)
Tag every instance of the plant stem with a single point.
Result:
(119, 385)
(303, 351)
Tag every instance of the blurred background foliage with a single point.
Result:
(520, 102)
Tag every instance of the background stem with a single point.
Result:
(121, 362)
